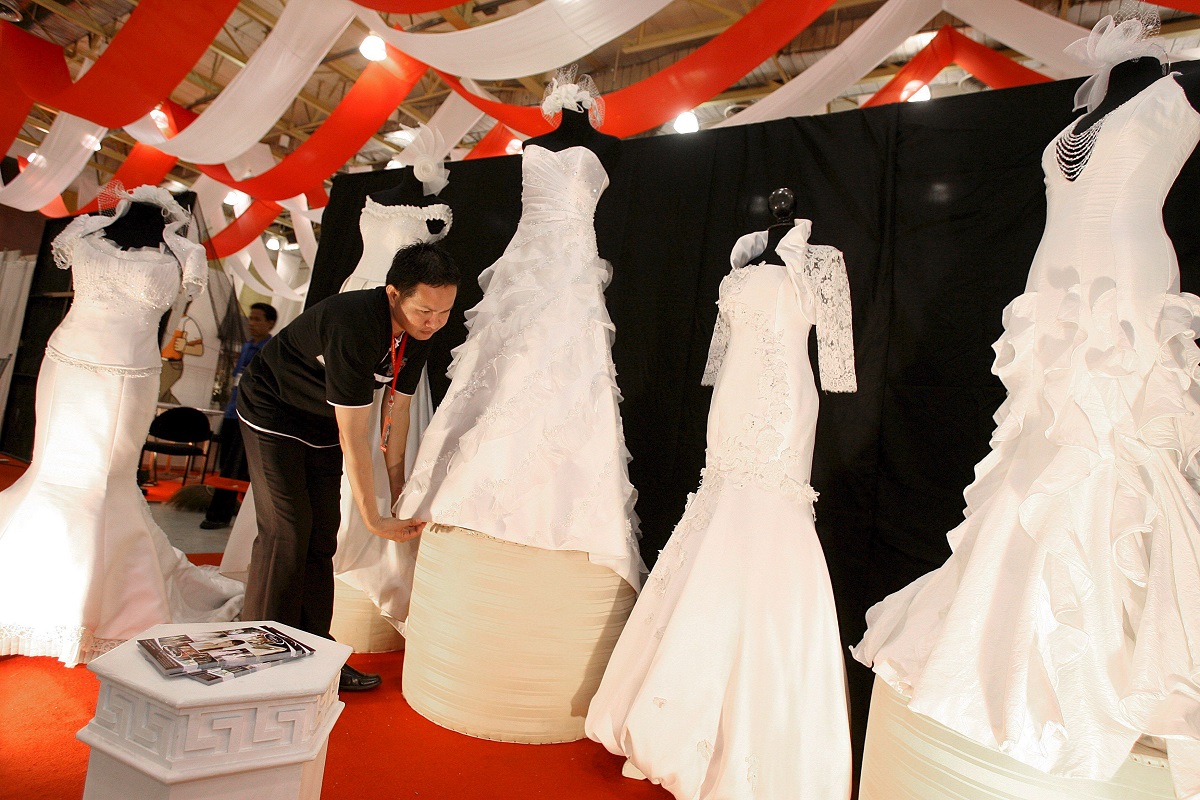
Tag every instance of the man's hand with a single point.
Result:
(398, 530)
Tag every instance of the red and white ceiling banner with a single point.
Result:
(59, 159)
(697, 77)
(549, 35)
(248, 107)
(453, 120)
(1035, 33)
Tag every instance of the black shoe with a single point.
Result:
(213, 525)
(354, 681)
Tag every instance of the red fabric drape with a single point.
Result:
(495, 143)
(1190, 6)
(682, 86)
(244, 229)
(149, 57)
(381, 87)
(951, 47)
(405, 6)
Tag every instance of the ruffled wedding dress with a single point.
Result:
(728, 680)
(527, 446)
(83, 566)
(1066, 623)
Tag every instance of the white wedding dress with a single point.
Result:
(1066, 623)
(728, 681)
(378, 567)
(83, 566)
(527, 446)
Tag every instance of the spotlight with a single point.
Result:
(917, 95)
(686, 123)
(235, 197)
(513, 147)
(10, 11)
(373, 48)
(160, 118)
(272, 243)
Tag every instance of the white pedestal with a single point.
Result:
(259, 737)
(911, 757)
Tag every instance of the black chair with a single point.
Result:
(178, 432)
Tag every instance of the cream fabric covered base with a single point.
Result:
(910, 757)
(509, 642)
(358, 622)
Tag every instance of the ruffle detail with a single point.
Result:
(1110, 384)
(69, 645)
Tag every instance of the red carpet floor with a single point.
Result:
(380, 748)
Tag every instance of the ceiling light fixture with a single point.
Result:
(235, 197)
(373, 48)
(272, 243)
(686, 123)
(10, 11)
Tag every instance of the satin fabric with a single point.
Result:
(1066, 623)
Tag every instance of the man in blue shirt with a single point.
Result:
(233, 454)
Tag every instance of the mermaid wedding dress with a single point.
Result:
(1066, 623)
(83, 566)
(728, 680)
(527, 446)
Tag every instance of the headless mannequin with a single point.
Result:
(575, 130)
(140, 226)
(782, 202)
(1130, 77)
(402, 194)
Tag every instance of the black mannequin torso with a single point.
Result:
(575, 130)
(402, 194)
(1129, 78)
(782, 203)
(140, 226)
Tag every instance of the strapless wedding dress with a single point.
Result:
(1066, 623)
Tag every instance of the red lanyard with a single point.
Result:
(397, 360)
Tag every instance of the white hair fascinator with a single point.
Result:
(1122, 37)
(577, 94)
(425, 155)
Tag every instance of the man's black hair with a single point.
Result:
(268, 311)
(422, 263)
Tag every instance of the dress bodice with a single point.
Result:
(560, 187)
(387, 229)
(1108, 220)
(120, 295)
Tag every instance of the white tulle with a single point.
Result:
(728, 680)
(1110, 43)
(1066, 623)
(527, 446)
(83, 566)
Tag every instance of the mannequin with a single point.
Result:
(575, 130)
(140, 226)
(782, 203)
(1130, 77)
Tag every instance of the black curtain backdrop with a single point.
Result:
(938, 208)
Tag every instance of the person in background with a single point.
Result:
(233, 453)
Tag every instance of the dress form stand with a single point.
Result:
(506, 640)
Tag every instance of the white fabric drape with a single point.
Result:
(1035, 33)
(258, 95)
(16, 275)
(545, 37)
(58, 161)
(303, 227)
(454, 119)
(210, 195)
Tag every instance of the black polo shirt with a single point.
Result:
(334, 354)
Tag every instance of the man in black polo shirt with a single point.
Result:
(306, 400)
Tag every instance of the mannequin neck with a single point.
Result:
(575, 130)
(140, 226)
(775, 235)
(1124, 82)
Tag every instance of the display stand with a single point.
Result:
(256, 737)
(509, 642)
(358, 622)
(908, 756)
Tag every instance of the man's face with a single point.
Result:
(258, 324)
(425, 311)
